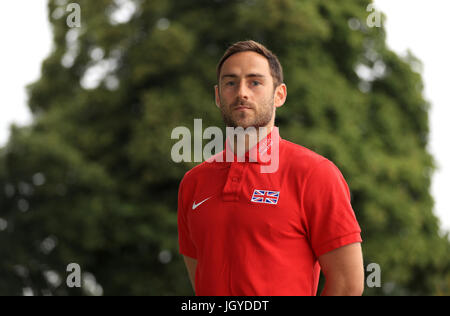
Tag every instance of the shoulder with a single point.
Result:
(204, 170)
(307, 164)
(300, 157)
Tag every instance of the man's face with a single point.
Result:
(245, 95)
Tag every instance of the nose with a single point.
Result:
(243, 91)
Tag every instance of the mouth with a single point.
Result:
(241, 108)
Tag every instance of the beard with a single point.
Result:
(257, 116)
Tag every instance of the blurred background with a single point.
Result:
(86, 115)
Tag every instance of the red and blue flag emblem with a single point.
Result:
(265, 196)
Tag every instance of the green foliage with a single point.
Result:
(91, 181)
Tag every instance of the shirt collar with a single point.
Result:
(260, 153)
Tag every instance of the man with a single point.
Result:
(247, 232)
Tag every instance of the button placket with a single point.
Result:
(234, 182)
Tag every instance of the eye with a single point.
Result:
(256, 83)
(229, 83)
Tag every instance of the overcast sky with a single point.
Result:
(423, 27)
(420, 25)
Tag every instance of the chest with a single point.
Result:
(241, 201)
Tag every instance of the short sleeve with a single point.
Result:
(331, 221)
(186, 246)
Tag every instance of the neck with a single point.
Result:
(250, 138)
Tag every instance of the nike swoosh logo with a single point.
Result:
(194, 206)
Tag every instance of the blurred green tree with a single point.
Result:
(91, 181)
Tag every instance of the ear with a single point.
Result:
(280, 95)
(217, 99)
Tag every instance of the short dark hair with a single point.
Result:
(251, 46)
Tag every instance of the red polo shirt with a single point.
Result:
(256, 233)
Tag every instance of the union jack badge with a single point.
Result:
(265, 196)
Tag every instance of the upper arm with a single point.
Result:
(330, 220)
(344, 271)
(191, 265)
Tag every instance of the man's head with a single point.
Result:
(250, 85)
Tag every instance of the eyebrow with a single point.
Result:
(247, 76)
